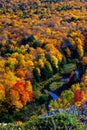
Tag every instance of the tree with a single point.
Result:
(2, 93)
(54, 62)
(36, 74)
(20, 73)
(77, 96)
(49, 69)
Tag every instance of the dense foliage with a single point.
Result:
(37, 37)
(76, 95)
(59, 121)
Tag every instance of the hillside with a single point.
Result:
(40, 42)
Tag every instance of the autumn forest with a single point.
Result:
(43, 62)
